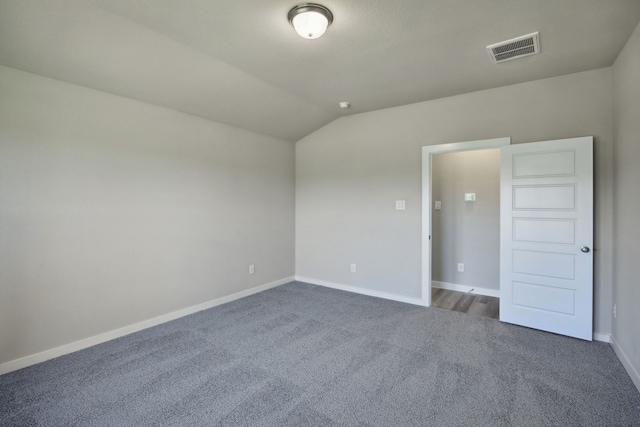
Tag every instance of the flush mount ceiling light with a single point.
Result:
(310, 20)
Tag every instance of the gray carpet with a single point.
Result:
(302, 355)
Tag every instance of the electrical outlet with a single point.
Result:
(615, 311)
(252, 269)
(461, 267)
(353, 268)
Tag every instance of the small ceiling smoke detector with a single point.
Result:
(344, 105)
(515, 48)
(310, 20)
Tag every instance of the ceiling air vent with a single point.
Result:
(514, 48)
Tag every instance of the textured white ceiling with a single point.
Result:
(240, 62)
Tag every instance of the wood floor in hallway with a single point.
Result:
(477, 305)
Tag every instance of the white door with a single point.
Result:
(546, 236)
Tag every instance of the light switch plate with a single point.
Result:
(469, 197)
(400, 205)
(438, 205)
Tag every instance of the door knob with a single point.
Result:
(585, 249)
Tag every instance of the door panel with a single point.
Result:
(547, 264)
(539, 197)
(562, 231)
(530, 295)
(546, 217)
(554, 163)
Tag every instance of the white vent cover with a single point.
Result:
(514, 48)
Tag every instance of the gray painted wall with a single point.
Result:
(466, 232)
(626, 292)
(113, 211)
(349, 174)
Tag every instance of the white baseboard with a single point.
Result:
(33, 359)
(464, 288)
(23, 362)
(363, 291)
(626, 362)
(597, 336)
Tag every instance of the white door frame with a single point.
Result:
(427, 152)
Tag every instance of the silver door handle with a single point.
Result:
(585, 249)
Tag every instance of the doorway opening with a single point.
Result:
(465, 232)
(461, 226)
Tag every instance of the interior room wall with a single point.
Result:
(350, 173)
(466, 232)
(626, 292)
(113, 211)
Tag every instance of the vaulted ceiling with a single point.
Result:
(240, 62)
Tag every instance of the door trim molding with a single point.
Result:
(427, 152)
